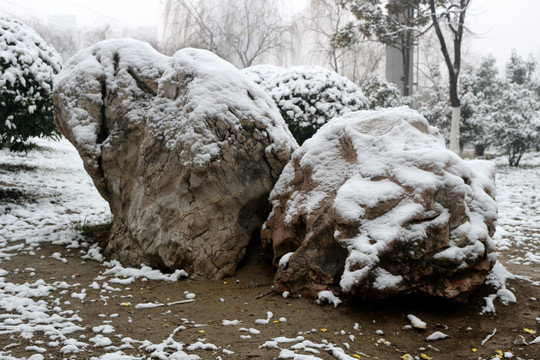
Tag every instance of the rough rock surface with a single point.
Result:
(374, 205)
(185, 149)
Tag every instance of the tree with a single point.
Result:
(479, 90)
(357, 60)
(66, 41)
(239, 31)
(516, 121)
(308, 96)
(27, 65)
(502, 111)
(394, 23)
(380, 93)
(452, 14)
(519, 71)
(99, 33)
(516, 111)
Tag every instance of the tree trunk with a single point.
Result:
(454, 129)
(479, 149)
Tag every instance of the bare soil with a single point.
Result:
(242, 301)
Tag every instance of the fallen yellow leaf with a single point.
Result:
(323, 330)
(530, 331)
(356, 356)
(424, 356)
(474, 349)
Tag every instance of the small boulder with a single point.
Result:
(185, 149)
(375, 205)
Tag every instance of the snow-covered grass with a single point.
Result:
(58, 197)
(518, 197)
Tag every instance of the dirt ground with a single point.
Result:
(239, 298)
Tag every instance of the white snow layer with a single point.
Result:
(212, 87)
(396, 144)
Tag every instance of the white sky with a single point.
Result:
(90, 12)
(502, 25)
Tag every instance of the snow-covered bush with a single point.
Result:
(308, 96)
(381, 93)
(27, 65)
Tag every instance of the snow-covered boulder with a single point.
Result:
(185, 149)
(374, 205)
(308, 96)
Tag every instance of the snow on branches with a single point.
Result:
(27, 64)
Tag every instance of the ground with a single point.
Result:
(60, 299)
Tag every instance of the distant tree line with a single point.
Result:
(349, 37)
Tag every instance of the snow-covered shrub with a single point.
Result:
(27, 65)
(308, 96)
(380, 93)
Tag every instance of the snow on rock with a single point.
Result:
(215, 138)
(285, 259)
(374, 205)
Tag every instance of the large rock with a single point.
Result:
(374, 205)
(185, 149)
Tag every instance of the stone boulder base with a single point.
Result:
(185, 149)
(375, 205)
